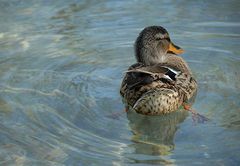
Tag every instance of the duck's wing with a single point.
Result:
(139, 76)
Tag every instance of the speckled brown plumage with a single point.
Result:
(161, 81)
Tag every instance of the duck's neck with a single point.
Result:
(151, 58)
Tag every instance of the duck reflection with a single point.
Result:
(154, 135)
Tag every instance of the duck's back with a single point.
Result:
(157, 89)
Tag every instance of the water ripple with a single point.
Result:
(61, 67)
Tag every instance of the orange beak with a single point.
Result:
(175, 49)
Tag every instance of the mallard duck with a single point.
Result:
(161, 81)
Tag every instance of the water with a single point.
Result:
(61, 65)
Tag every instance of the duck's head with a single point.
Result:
(153, 45)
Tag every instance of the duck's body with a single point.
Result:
(160, 82)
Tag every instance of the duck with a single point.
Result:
(160, 82)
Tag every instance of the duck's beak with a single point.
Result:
(175, 49)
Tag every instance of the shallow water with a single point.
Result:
(61, 66)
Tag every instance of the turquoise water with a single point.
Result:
(61, 65)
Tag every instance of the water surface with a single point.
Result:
(61, 65)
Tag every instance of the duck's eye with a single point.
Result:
(168, 39)
(158, 38)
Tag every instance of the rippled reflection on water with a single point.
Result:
(61, 66)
